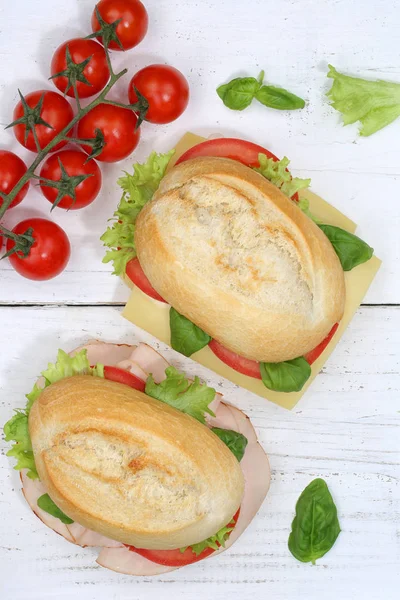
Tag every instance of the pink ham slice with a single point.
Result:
(255, 467)
(256, 470)
(132, 367)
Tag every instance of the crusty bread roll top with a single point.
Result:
(130, 467)
(229, 251)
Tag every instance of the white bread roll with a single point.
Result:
(229, 251)
(130, 467)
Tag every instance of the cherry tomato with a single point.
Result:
(74, 162)
(56, 111)
(12, 168)
(176, 558)
(122, 376)
(118, 127)
(134, 21)
(48, 255)
(316, 353)
(166, 90)
(240, 150)
(248, 367)
(96, 71)
(136, 274)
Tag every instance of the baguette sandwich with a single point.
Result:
(223, 238)
(118, 450)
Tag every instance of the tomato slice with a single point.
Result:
(240, 150)
(248, 367)
(136, 274)
(316, 353)
(176, 558)
(122, 376)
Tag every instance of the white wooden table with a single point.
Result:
(347, 428)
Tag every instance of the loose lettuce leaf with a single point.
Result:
(235, 441)
(374, 103)
(191, 398)
(16, 429)
(47, 504)
(276, 171)
(186, 337)
(137, 190)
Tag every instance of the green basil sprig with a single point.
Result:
(235, 441)
(351, 250)
(239, 93)
(315, 527)
(47, 504)
(286, 376)
(186, 337)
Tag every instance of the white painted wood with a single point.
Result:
(210, 42)
(346, 430)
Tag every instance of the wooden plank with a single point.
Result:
(351, 442)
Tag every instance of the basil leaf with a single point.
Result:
(235, 441)
(278, 98)
(315, 527)
(186, 337)
(239, 93)
(47, 504)
(287, 376)
(351, 250)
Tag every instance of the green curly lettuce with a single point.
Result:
(192, 398)
(16, 429)
(374, 104)
(276, 171)
(137, 190)
(214, 542)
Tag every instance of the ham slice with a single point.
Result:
(124, 561)
(142, 360)
(150, 361)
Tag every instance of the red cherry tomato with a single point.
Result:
(136, 274)
(248, 367)
(122, 376)
(12, 168)
(166, 90)
(133, 25)
(176, 558)
(118, 127)
(74, 162)
(316, 353)
(48, 255)
(96, 71)
(56, 111)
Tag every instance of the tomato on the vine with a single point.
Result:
(49, 254)
(165, 89)
(133, 21)
(75, 163)
(56, 112)
(118, 126)
(12, 168)
(95, 71)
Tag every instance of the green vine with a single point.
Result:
(32, 117)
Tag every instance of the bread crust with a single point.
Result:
(228, 250)
(130, 467)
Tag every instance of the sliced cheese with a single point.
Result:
(153, 316)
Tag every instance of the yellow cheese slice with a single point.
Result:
(153, 316)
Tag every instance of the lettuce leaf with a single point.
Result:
(214, 542)
(276, 171)
(374, 103)
(137, 190)
(191, 398)
(16, 429)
